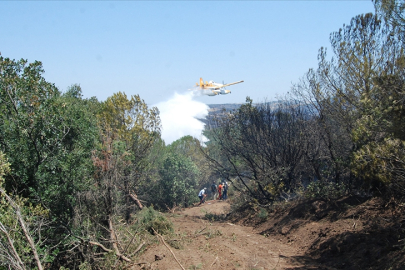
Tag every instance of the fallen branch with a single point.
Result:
(101, 246)
(214, 262)
(137, 249)
(114, 240)
(135, 198)
(171, 210)
(144, 265)
(130, 242)
(19, 263)
(140, 263)
(199, 233)
(163, 241)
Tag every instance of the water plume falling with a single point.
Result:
(179, 116)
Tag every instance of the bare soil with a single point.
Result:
(351, 233)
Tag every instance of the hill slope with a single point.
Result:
(352, 233)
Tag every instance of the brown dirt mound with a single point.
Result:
(351, 233)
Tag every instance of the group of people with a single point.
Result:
(219, 192)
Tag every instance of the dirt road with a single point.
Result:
(213, 244)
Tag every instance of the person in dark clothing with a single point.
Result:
(214, 191)
(225, 190)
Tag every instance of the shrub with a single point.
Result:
(263, 214)
(150, 219)
(325, 190)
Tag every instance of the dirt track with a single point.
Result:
(208, 244)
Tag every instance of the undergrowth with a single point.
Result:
(149, 219)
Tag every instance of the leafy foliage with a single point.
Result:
(178, 185)
(15, 249)
(192, 148)
(380, 134)
(150, 220)
(128, 130)
(325, 190)
(262, 214)
(46, 135)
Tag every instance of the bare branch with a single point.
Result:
(19, 263)
(163, 241)
(23, 227)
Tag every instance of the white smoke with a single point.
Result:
(179, 116)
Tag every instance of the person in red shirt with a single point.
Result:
(219, 191)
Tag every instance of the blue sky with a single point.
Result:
(157, 48)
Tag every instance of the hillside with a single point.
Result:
(351, 233)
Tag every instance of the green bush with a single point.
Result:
(214, 217)
(150, 219)
(263, 214)
(325, 190)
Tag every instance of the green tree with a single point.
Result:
(380, 135)
(335, 91)
(129, 130)
(192, 148)
(178, 184)
(47, 137)
(393, 12)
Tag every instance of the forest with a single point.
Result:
(83, 182)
